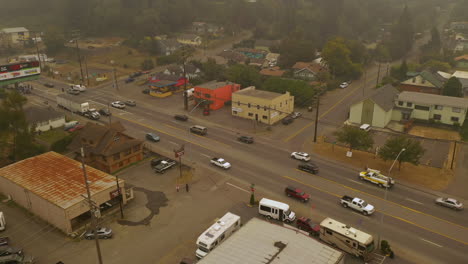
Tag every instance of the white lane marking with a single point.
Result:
(206, 155)
(430, 242)
(411, 200)
(140, 119)
(354, 181)
(172, 142)
(237, 187)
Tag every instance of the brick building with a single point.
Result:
(215, 94)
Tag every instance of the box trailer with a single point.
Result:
(73, 104)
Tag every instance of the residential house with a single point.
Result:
(424, 82)
(376, 108)
(307, 70)
(459, 25)
(215, 94)
(252, 53)
(461, 61)
(44, 119)
(107, 148)
(271, 60)
(51, 186)
(206, 28)
(189, 39)
(447, 110)
(168, 46)
(191, 71)
(274, 71)
(262, 106)
(14, 36)
(233, 56)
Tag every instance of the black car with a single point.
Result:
(308, 167)
(4, 241)
(181, 117)
(287, 120)
(6, 250)
(246, 139)
(101, 233)
(104, 112)
(129, 80)
(135, 74)
(130, 103)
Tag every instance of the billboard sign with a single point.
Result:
(19, 70)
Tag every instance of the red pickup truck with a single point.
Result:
(297, 193)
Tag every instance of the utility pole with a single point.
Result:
(92, 207)
(185, 79)
(378, 75)
(79, 60)
(110, 115)
(37, 50)
(116, 85)
(86, 68)
(120, 196)
(316, 117)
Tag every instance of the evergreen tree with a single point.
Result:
(453, 87)
(402, 35)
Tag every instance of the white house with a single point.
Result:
(15, 35)
(44, 119)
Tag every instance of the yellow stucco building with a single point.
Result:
(263, 106)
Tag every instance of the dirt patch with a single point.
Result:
(435, 133)
(432, 178)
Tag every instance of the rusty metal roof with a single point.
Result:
(56, 178)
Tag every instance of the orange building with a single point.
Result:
(215, 94)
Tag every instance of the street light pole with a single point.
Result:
(386, 188)
(316, 118)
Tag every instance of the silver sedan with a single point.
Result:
(449, 202)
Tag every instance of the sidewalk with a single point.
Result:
(460, 184)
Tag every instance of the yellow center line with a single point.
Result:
(322, 115)
(380, 198)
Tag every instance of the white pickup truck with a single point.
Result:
(220, 162)
(357, 204)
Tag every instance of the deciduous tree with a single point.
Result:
(355, 138)
(393, 146)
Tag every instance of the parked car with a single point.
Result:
(73, 91)
(135, 74)
(76, 128)
(198, 130)
(287, 120)
(306, 224)
(155, 162)
(300, 156)
(7, 250)
(129, 80)
(296, 115)
(146, 91)
(450, 203)
(297, 193)
(130, 103)
(101, 233)
(118, 104)
(164, 165)
(344, 85)
(308, 167)
(105, 206)
(246, 139)
(181, 117)
(50, 85)
(152, 137)
(104, 112)
(4, 241)
(365, 127)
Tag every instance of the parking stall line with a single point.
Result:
(430, 242)
(237, 187)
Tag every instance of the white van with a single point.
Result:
(78, 87)
(189, 92)
(276, 210)
(2, 221)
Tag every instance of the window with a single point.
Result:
(250, 114)
(238, 103)
(265, 117)
(329, 232)
(265, 208)
(117, 156)
(121, 164)
(116, 138)
(234, 112)
(414, 80)
(421, 107)
(400, 103)
(409, 104)
(264, 108)
(222, 236)
(281, 104)
(198, 93)
(208, 95)
(136, 148)
(258, 107)
(437, 117)
(128, 152)
(454, 119)
(456, 109)
(248, 105)
(439, 107)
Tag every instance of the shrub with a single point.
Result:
(61, 144)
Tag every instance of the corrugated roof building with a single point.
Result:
(262, 242)
(52, 187)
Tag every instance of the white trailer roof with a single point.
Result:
(260, 242)
(345, 230)
(218, 228)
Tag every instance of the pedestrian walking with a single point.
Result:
(186, 187)
(177, 187)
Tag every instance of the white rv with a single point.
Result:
(347, 238)
(217, 233)
(276, 210)
(2, 221)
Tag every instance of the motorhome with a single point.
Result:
(217, 233)
(276, 210)
(346, 238)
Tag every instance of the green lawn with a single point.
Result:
(53, 135)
